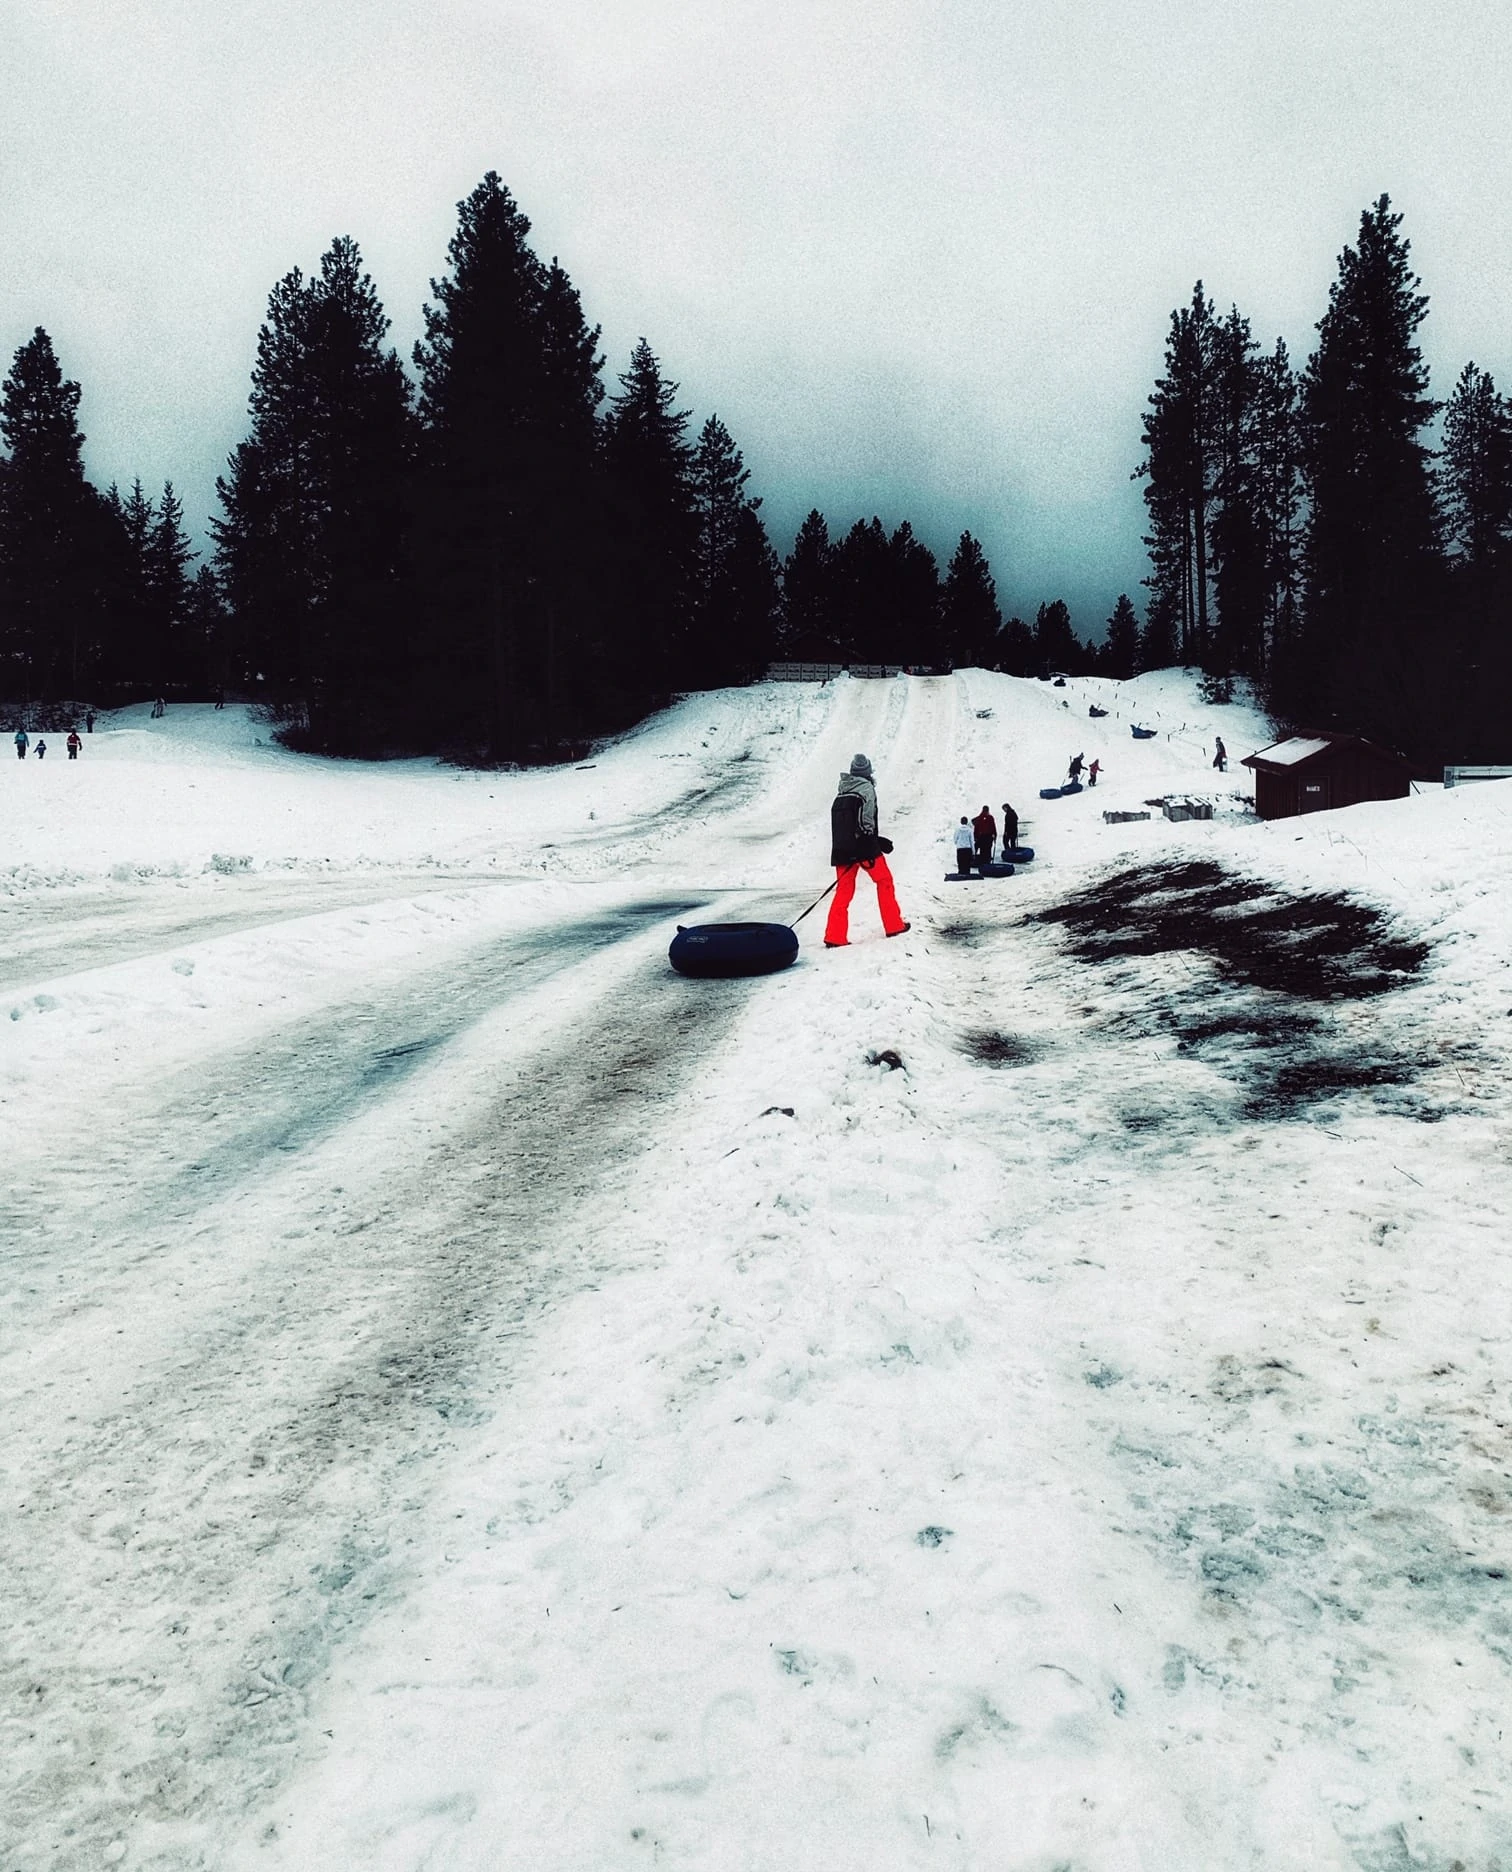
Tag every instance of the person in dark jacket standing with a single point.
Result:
(1010, 829)
(984, 832)
(857, 845)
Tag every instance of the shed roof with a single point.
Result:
(1298, 750)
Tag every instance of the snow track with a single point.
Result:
(232, 1471)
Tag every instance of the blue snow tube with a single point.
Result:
(1019, 854)
(1142, 734)
(1050, 792)
(1071, 786)
(996, 870)
(727, 949)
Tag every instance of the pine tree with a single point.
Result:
(55, 532)
(1179, 470)
(1373, 552)
(970, 619)
(1236, 643)
(1056, 645)
(1476, 482)
(310, 548)
(808, 621)
(166, 561)
(911, 601)
(1120, 656)
(1016, 652)
(1159, 647)
(862, 596)
(1477, 471)
(756, 597)
(1277, 497)
(650, 470)
(717, 483)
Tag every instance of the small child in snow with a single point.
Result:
(1093, 771)
(41, 749)
(73, 744)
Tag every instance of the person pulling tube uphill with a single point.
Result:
(855, 846)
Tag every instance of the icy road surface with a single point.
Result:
(474, 1400)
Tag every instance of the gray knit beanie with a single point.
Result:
(861, 765)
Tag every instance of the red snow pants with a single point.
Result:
(837, 928)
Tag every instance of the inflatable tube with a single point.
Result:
(997, 870)
(1071, 786)
(1142, 734)
(726, 949)
(1097, 714)
(1050, 792)
(1019, 854)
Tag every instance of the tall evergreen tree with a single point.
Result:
(808, 620)
(911, 610)
(1476, 473)
(1179, 469)
(1276, 492)
(1373, 552)
(1236, 642)
(1016, 653)
(310, 545)
(1056, 645)
(862, 596)
(54, 531)
(732, 600)
(650, 467)
(1476, 483)
(1159, 642)
(482, 389)
(166, 561)
(970, 619)
(1120, 655)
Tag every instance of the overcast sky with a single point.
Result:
(918, 254)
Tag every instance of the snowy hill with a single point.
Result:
(477, 1399)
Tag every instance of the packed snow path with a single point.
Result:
(475, 1400)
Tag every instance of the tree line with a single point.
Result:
(1305, 532)
(489, 551)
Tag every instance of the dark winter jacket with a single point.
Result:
(853, 822)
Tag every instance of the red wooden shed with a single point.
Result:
(1316, 773)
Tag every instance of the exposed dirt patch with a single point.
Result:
(1267, 983)
(1320, 947)
(999, 1049)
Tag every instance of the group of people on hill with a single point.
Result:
(73, 743)
(976, 839)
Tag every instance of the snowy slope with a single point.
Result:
(480, 1401)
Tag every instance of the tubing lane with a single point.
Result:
(209, 1479)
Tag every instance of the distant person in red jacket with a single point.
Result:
(984, 832)
(73, 744)
(1093, 771)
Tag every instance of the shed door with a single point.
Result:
(1314, 795)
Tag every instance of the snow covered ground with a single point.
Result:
(475, 1400)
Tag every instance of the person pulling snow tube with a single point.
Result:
(723, 950)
